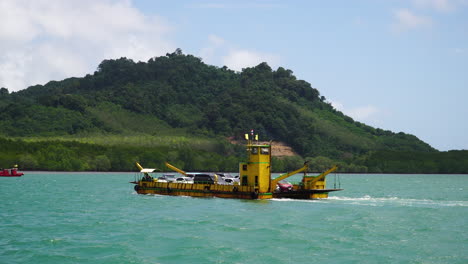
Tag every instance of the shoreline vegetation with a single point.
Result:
(234, 172)
(178, 109)
(42, 154)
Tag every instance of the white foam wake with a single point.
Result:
(368, 200)
(381, 201)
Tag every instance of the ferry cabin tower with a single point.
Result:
(256, 172)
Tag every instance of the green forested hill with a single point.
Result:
(177, 97)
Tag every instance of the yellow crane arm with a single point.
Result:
(321, 176)
(286, 175)
(175, 169)
(138, 166)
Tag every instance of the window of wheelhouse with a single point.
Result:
(254, 150)
(264, 150)
(244, 181)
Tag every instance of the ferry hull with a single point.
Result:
(224, 191)
(305, 194)
(200, 190)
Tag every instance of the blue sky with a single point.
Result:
(398, 65)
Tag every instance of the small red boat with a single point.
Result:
(13, 172)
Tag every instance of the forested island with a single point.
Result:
(178, 109)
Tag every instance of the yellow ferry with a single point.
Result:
(254, 180)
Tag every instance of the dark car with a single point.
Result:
(203, 178)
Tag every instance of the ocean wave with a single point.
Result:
(367, 199)
(380, 201)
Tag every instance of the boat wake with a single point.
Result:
(401, 201)
(385, 201)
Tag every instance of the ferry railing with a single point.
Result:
(210, 182)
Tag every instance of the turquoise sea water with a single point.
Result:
(98, 218)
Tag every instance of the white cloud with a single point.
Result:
(43, 40)
(439, 5)
(12, 69)
(364, 112)
(406, 20)
(220, 52)
(216, 40)
(368, 113)
(210, 52)
(241, 58)
(337, 105)
(236, 5)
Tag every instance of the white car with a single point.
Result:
(183, 180)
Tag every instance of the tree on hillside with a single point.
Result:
(180, 92)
